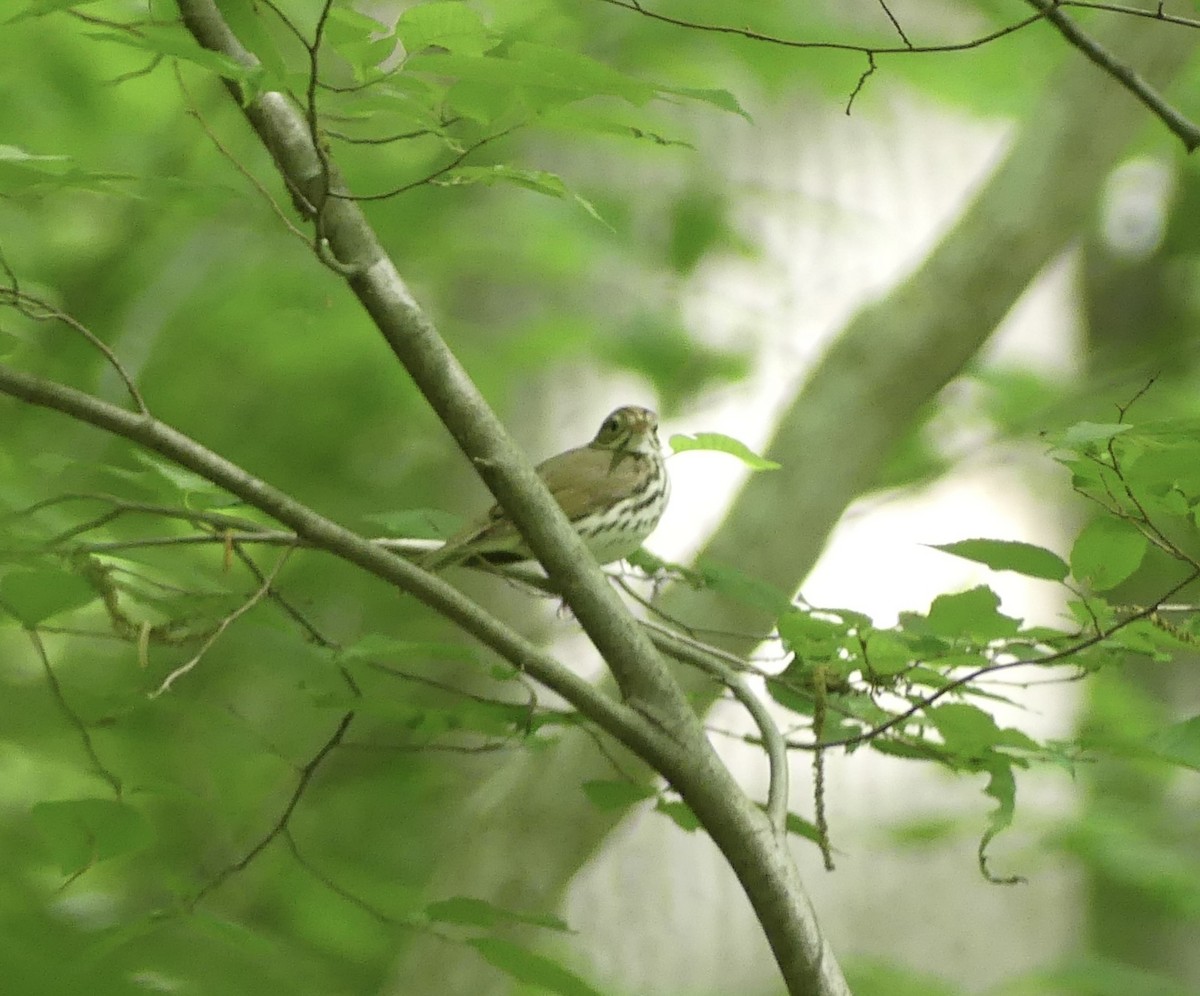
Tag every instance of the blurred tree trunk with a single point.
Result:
(524, 833)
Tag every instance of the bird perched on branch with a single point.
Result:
(613, 490)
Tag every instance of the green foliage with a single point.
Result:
(534, 969)
(271, 822)
(720, 443)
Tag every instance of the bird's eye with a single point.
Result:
(612, 425)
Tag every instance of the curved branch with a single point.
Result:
(619, 720)
(692, 653)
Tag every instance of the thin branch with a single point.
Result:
(895, 24)
(223, 625)
(907, 49)
(60, 700)
(619, 720)
(281, 823)
(1184, 129)
(42, 311)
(429, 178)
(926, 701)
(1157, 14)
(774, 744)
(194, 112)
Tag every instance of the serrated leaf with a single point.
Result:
(966, 730)
(81, 832)
(470, 912)
(721, 99)
(1107, 552)
(974, 614)
(582, 72)
(453, 26)
(811, 636)
(887, 654)
(608, 795)
(1010, 555)
(34, 596)
(530, 968)
(720, 443)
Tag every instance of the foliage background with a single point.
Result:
(150, 236)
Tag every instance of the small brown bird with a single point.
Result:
(613, 490)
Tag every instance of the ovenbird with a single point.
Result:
(613, 490)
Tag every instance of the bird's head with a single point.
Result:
(629, 430)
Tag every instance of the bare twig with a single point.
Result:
(42, 311)
(281, 823)
(223, 625)
(1184, 129)
(60, 700)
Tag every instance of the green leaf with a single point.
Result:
(39, 8)
(251, 31)
(887, 654)
(530, 968)
(810, 635)
(1010, 555)
(680, 813)
(81, 832)
(536, 180)
(744, 588)
(973, 613)
(359, 39)
(609, 795)
(1107, 552)
(1085, 435)
(35, 595)
(1002, 787)
(580, 72)
(720, 443)
(966, 729)
(468, 912)
(1179, 744)
(178, 45)
(803, 828)
(721, 99)
(453, 26)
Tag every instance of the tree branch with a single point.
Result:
(641, 675)
(324, 534)
(1185, 130)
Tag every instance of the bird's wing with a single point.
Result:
(588, 478)
(578, 479)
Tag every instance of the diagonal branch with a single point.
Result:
(619, 720)
(1184, 129)
(349, 243)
